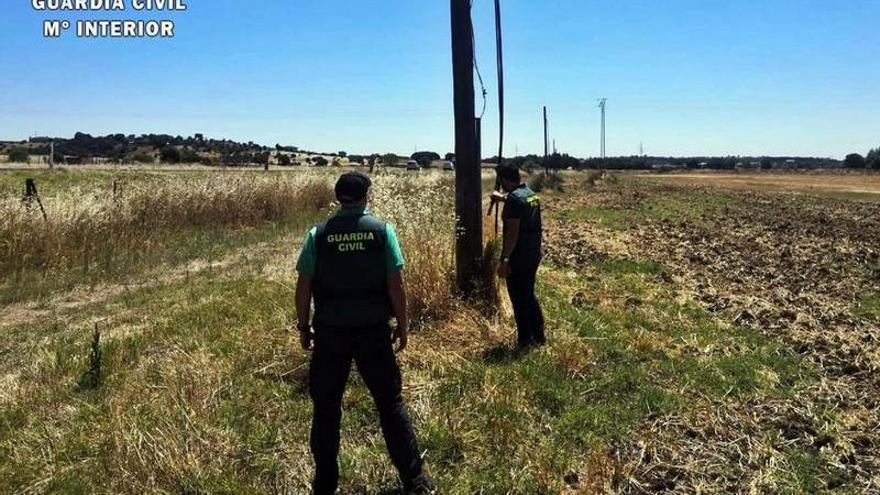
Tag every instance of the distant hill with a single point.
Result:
(164, 148)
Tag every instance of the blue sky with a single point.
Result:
(686, 77)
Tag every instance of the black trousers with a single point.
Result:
(526, 309)
(371, 350)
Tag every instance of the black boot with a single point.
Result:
(421, 485)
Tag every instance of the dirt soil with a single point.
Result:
(792, 266)
(859, 185)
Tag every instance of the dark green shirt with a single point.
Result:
(523, 204)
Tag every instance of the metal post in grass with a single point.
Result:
(546, 150)
(468, 186)
(31, 195)
(117, 190)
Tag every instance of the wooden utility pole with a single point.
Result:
(478, 130)
(468, 185)
(51, 155)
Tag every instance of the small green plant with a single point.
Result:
(91, 379)
(868, 307)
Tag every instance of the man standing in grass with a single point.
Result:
(521, 254)
(353, 266)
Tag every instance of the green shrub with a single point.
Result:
(142, 157)
(170, 154)
(873, 159)
(854, 160)
(18, 155)
(189, 156)
(550, 182)
(390, 160)
(209, 161)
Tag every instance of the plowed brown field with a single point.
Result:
(803, 269)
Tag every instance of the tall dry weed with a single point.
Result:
(82, 227)
(421, 209)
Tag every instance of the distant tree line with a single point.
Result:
(148, 148)
(870, 161)
(170, 149)
(425, 158)
(562, 161)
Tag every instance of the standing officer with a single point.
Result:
(352, 265)
(521, 254)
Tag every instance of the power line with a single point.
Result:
(602, 149)
(499, 54)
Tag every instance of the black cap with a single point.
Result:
(352, 187)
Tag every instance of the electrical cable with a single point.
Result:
(477, 68)
(500, 62)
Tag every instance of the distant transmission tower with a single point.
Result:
(602, 149)
(641, 149)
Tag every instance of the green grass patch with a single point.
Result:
(191, 367)
(868, 307)
(609, 218)
(695, 207)
(692, 206)
(209, 361)
(539, 416)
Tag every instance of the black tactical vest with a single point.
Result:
(528, 246)
(351, 277)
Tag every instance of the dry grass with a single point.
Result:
(421, 208)
(847, 184)
(81, 228)
(204, 389)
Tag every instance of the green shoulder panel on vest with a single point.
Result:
(526, 194)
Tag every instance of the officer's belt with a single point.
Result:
(350, 294)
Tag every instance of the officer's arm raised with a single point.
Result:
(397, 293)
